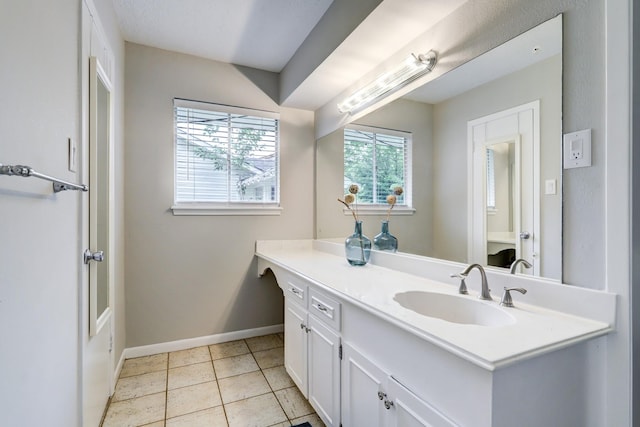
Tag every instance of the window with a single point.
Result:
(225, 157)
(377, 160)
(491, 181)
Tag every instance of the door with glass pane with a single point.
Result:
(97, 356)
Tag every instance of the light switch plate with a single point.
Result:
(550, 187)
(577, 149)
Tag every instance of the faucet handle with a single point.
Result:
(463, 285)
(506, 300)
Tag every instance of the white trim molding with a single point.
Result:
(165, 347)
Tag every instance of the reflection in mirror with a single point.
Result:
(523, 71)
(501, 200)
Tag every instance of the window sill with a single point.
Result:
(205, 209)
(381, 210)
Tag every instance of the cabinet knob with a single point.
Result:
(388, 404)
(381, 395)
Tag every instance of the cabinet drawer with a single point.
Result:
(296, 292)
(325, 308)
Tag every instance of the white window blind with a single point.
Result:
(225, 155)
(377, 160)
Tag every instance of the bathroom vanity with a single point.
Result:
(392, 343)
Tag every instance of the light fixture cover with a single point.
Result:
(411, 68)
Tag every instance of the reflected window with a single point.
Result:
(491, 181)
(377, 160)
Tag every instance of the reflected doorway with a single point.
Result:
(504, 220)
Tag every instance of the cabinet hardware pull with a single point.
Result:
(294, 290)
(388, 404)
(302, 326)
(321, 307)
(381, 395)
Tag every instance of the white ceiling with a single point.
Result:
(265, 34)
(262, 34)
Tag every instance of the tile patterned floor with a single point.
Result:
(234, 384)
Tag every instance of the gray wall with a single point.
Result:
(191, 276)
(583, 107)
(40, 253)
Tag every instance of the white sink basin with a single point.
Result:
(456, 309)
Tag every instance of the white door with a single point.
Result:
(362, 390)
(295, 349)
(324, 371)
(97, 296)
(408, 410)
(518, 129)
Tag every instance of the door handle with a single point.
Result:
(524, 235)
(97, 256)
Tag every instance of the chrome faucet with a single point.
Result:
(506, 300)
(485, 294)
(463, 285)
(515, 263)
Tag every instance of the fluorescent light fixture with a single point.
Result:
(410, 69)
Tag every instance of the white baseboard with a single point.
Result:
(118, 369)
(165, 347)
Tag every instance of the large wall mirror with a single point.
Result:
(486, 160)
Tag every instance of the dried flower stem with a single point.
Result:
(349, 207)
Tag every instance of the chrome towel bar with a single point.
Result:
(27, 171)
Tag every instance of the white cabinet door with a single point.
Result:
(408, 410)
(362, 383)
(295, 348)
(324, 371)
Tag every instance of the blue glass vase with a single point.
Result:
(357, 246)
(385, 241)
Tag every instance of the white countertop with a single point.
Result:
(535, 331)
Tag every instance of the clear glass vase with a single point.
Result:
(357, 246)
(385, 241)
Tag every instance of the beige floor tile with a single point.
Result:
(293, 403)
(284, 424)
(156, 424)
(212, 417)
(259, 411)
(193, 398)
(140, 385)
(270, 358)
(281, 335)
(228, 349)
(144, 365)
(278, 378)
(235, 365)
(136, 412)
(190, 375)
(243, 386)
(189, 357)
(265, 342)
(313, 419)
